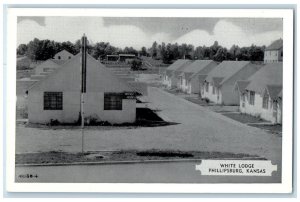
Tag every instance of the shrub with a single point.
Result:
(136, 65)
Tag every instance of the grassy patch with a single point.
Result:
(244, 118)
(275, 129)
(58, 157)
(199, 101)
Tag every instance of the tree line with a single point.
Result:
(215, 52)
(45, 49)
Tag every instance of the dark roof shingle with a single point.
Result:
(269, 74)
(275, 45)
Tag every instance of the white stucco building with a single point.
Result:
(170, 77)
(63, 55)
(57, 97)
(274, 52)
(189, 79)
(219, 84)
(261, 95)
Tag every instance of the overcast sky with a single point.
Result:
(138, 32)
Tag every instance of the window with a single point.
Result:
(112, 101)
(252, 96)
(186, 82)
(214, 90)
(206, 87)
(243, 97)
(53, 100)
(265, 103)
(181, 82)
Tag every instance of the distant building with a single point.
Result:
(57, 97)
(63, 55)
(123, 57)
(261, 94)
(112, 57)
(219, 84)
(274, 52)
(189, 78)
(170, 77)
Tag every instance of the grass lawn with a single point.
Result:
(57, 157)
(244, 118)
(275, 129)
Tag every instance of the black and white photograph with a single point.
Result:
(160, 99)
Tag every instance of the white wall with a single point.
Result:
(230, 96)
(47, 64)
(183, 86)
(258, 110)
(272, 56)
(67, 80)
(94, 106)
(216, 98)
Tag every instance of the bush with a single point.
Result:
(136, 65)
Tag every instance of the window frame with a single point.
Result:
(115, 104)
(251, 97)
(53, 103)
(265, 101)
(207, 87)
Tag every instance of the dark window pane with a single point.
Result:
(112, 101)
(53, 101)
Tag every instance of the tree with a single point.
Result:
(136, 65)
(144, 51)
(256, 53)
(22, 49)
(175, 51)
(167, 54)
(154, 50)
(234, 52)
(214, 49)
(70, 47)
(221, 55)
(40, 49)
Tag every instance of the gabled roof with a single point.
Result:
(63, 53)
(188, 75)
(177, 64)
(226, 70)
(241, 86)
(275, 45)
(99, 78)
(202, 77)
(269, 74)
(178, 71)
(197, 66)
(274, 91)
(217, 80)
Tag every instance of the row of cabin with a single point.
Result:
(256, 88)
(56, 96)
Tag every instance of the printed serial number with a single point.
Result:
(28, 176)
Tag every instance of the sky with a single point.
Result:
(141, 31)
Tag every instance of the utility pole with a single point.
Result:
(83, 87)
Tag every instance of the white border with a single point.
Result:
(10, 99)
